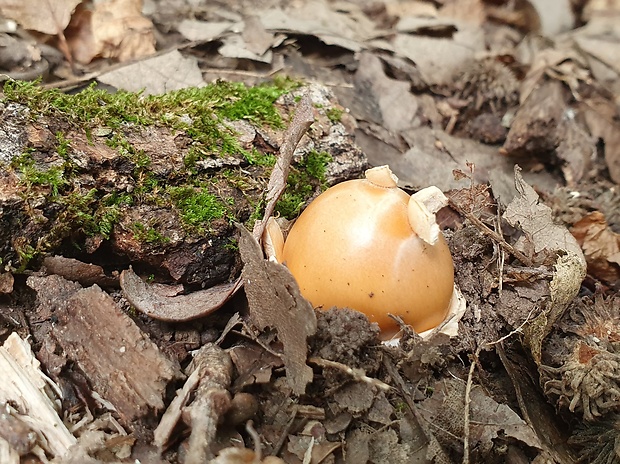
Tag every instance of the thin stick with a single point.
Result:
(491, 233)
(468, 388)
(302, 120)
(356, 374)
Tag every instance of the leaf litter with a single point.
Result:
(431, 88)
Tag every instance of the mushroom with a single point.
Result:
(366, 244)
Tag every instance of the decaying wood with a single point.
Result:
(121, 364)
(49, 219)
(84, 273)
(211, 402)
(23, 385)
(210, 374)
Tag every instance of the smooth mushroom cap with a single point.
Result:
(353, 247)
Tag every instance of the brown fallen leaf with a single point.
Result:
(601, 118)
(600, 245)
(275, 300)
(111, 29)
(156, 75)
(158, 303)
(550, 244)
(47, 16)
(541, 236)
(489, 420)
(380, 99)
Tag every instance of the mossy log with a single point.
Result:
(156, 182)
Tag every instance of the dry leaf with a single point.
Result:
(601, 117)
(157, 303)
(601, 246)
(346, 29)
(489, 420)
(546, 241)
(79, 35)
(258, 40)
(193, 29)
(47, 16)
(555, 17)
(111, 29)
(275, 301)
(541, 235)
(157, 75)
(439, 59)
(382, 100)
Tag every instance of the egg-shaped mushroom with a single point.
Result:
(366, 244)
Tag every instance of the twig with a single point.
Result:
(302, 120)
(287, 428)
(356, 374)
(491, 233)
(211, 373)
(211, 402)
(513, 332)
(468, 386)
(249, 427)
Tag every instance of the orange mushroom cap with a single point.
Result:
(354, 247)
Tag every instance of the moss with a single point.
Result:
(303, 180)
(197, 207)
(53, 178)
(334, 114)
(148, 234)
(76, 210)
(260, 159)
(82, 215)
(63, 146)
(200, 112)
(25, 252)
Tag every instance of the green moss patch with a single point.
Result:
(90, 182)
(303, 181)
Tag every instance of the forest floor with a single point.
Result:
(144, 145)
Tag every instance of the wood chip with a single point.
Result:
(120, 362)
(84, 273)
(23, 385)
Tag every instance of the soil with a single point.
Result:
(167, 340)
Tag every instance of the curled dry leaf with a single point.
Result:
(547, 242)
(601, 246)
(156, 302)
(446, 407)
